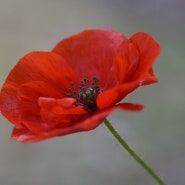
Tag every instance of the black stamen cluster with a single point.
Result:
(87, 93)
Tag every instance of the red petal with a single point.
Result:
(43, 66)
(22, 134)
(54, 76)
(60, 113)
(93, 121)
(149, 50)
(91, 53)
(27, 99)
(132, 106)
(126, 61)
(9, 103)
(149, 77)
(54, 113)
(115, 95)
(31, 91)
(135, 58)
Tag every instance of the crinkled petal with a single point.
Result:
(126, 61)
(60, 112)
(149, 50)
(91, 53)
(50, 113)
(135, 58)
(27, 99)
(93, 121)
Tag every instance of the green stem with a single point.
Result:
(132, 153)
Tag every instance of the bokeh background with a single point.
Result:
(157, 134)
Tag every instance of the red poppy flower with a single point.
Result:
(76, 85)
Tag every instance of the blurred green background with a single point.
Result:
(157, 134)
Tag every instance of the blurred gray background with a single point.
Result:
(157, 134)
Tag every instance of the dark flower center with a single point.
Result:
(86, 94)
